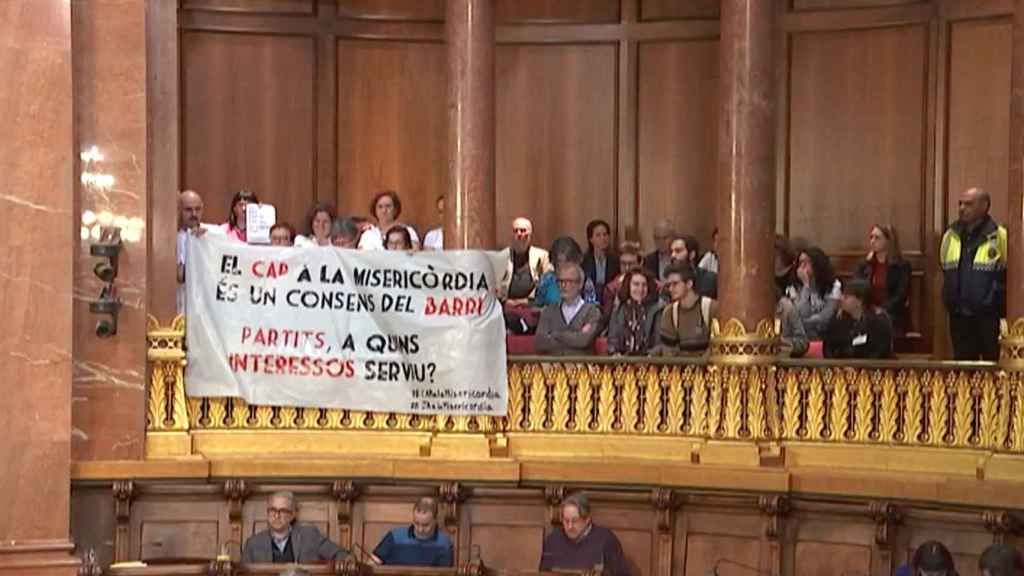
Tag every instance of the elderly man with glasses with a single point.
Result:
(569, 326)
(287, 541)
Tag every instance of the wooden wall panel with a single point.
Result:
(429, 10)
(832, 558)
(170, 528)
(857, 135)
(556, 137)
(248, 120)
(259, 6)
(392, 126)
(704, 550)
(979, 112)
(677, 125)
(508, 547)
(183, 539)
(561, 11)
(679, 9)
(964, 541)
(840, 4)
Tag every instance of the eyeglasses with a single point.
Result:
(564, 281)
(271, 511)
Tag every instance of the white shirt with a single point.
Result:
(182, 250)
(569, 311)
(373, 238)
(709, 262)
(434, 240)
(302, 241)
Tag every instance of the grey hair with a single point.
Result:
(580, 501)
(284, 494)
(344, 228)
(580, 275)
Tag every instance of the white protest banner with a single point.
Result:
(333, 328)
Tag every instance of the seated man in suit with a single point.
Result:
(286, 541)
(582, 545)
(421, 544)
(569, 326)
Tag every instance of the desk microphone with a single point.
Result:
(714, 569)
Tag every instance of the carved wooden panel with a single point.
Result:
(679, 9)
(979, 112)
(702, 551)
(247, 120)
(392, 126)
(556, 118)
(508, 547)
(179, 539)
(427, 10)
(832, 558)
(258, 6)
(857, 141)
(677, 137)
(847, 4)
(560, 11)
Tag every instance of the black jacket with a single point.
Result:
(651, 264)
(897, 290)
(869, 337)
(610, 272)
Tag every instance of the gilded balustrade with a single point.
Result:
(915, 404)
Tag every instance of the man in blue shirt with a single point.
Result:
(421, 544)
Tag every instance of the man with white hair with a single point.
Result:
(526, 264)
(286, 541)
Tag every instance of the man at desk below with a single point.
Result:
(286, 541)
(580, 545)
(421, 544)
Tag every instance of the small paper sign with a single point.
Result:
(259, 219)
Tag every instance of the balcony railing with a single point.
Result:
(922, 404)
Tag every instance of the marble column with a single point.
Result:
(469, 220)
(109, 64)
(36, 257)
(746, 169)
(1012, 350)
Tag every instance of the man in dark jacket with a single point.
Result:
(579, 544)
(286, 541)
(973, 258)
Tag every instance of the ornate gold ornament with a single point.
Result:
(732, 344)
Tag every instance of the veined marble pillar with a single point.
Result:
(1012, 342)
(36, 259)
(746, 180)
(469, 219)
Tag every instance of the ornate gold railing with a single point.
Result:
(947, 405)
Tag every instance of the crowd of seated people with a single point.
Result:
(662, 303)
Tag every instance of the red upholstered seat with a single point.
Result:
(519, 344)
(522, 344)
(816, 349)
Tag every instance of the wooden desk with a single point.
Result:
(215, 568)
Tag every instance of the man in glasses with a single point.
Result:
(570, 326)
(286, 541)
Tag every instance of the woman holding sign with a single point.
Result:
(385, 208)
(235, 226)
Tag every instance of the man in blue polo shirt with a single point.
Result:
(421, 544)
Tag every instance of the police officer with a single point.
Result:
(973, 258)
